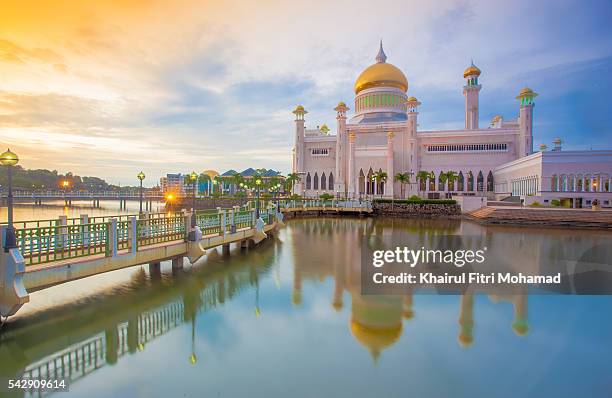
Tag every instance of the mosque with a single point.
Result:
(496, 161)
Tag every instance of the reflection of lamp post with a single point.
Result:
(257, 184)
(193, 358)
(141, 176)
(193, 177)
(9, 159)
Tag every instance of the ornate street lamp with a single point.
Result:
(9, 159)
(257, 184)
(141, 176)
(193, 177)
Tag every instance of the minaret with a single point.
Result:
(299, 113)
(470, 91)
(525, 141)
(341, 146)
(411, 142)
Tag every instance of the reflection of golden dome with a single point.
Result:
(520, 327)
(471, 70)
(465, 339)
(376, 338)
(381, 74)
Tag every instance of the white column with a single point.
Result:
(351, 165)
(389, 185)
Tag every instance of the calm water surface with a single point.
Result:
(287, 319)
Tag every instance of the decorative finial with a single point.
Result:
(381, 58)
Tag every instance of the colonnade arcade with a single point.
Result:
(587, 182)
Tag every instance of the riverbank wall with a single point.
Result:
(404, 209)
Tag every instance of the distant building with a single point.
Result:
(174, 183)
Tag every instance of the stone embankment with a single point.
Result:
(576, 218)
(206, 203)
(417, 209)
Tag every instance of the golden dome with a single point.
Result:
(341, 104)
(381, 74)
(526, 91)
(210, 173)
(471, 70)
(299, 109)
(411, 99)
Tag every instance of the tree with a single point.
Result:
(378, 177)
(292, 179)
(403, 179)
(423, 176)
(451, 177)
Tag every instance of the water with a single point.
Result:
(286, 319)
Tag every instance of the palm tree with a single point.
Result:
(423, 176)
(451, 177)
(380, 176)
(403, 179)
(237, 179)
(203, 178)
(292, 179)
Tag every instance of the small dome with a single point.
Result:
(341, 104)
(210, 173)
(520, 327)
(412, 99)
(324, 129)
(557, 141)
(299, 109)
(526, 91)
(496, 119)
(542, 147)
(375, 339)
(471, 70)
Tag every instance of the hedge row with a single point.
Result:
(418, 202)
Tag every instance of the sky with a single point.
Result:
(109, 88)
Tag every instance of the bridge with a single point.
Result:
(38, 196)
(51, 252)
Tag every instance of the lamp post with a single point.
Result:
(193, 177)
(141, 176)
(257, 184)
(9, 159)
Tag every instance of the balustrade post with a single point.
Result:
(222, 222)
(63, 231)
(85, 229)
(233, 219)
(132, 234)
(111, 248)
(253, 220)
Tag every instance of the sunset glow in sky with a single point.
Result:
(109, 88)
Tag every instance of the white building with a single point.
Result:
(383, 136)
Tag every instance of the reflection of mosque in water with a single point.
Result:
(377, 321)
(93, 335)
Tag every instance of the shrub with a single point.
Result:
(536, 204)
(240, 194)
(414, 198)
(555, 202)
(216, 194)
(326, 196)
(295, 197)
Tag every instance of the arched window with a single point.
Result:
(331, 182)
(323, 181)
(441, 181)
(315, 184)
(370, 183)
(553, 183)
(308, 181)
(490, 185)
(479, 182)
(570, 182)
(422, 184)
(361, 182)
(470, 180)
(381, 185)
(460, 181)
(579, 185)
(432, 181)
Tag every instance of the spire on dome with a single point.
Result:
(381, 57)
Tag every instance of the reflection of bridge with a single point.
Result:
(88, 341)
(50, 252)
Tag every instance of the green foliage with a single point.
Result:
(47, 179)
(266, 196)
(326, 196)
(414, 198)
(240, 194)
(555, 202)
(295, 197)
(536, 204)
(216, 194)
